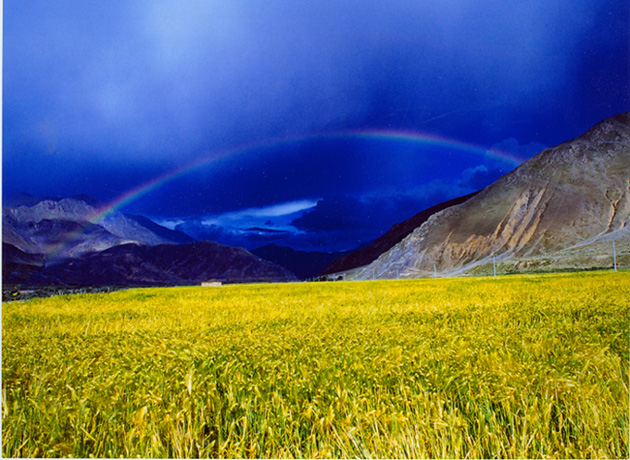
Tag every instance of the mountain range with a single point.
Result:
(169, 264)
(60, 228)
(54, 241)
(560, 209)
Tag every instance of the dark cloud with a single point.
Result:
(358, 221)
(333, 224)
(213, 73)
(311, 169)
(373, 214)
(102, 98)
(337, 213)
(248, 238)
(200, 232)
(518, 150)
(251, 238)
(479, 177)
(267, 231)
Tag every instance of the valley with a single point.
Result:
(467, 368)
(152, 344)
(329, 229)
(560, 210)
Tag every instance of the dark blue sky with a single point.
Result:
(101, 97)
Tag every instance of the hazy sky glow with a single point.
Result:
(103, 97)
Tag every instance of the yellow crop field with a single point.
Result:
(516, 366)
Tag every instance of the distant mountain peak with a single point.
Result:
(57, 227)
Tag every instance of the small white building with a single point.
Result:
(211, 283)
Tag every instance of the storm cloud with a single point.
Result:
(102, 97)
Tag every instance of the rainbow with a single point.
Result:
(139, 191)
(397, 136)
(435, 141)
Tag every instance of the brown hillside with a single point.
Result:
(568, 195)
(389, 239)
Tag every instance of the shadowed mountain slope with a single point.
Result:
(389, 239)
(303, 264)
(174, 236)
(169, 264)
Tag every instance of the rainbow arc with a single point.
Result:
(383, 135)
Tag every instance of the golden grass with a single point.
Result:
(521, 366)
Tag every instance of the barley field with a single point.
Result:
(531, 366)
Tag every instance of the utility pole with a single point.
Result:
(494, 266)
(614, 256)
(434, 271)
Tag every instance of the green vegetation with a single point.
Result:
(519, 366)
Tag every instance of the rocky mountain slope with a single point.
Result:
(573, 195)
(389, 239)
(19, 266)
(169, 264)
(59, 228)
(140, 265)
(174, 236)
